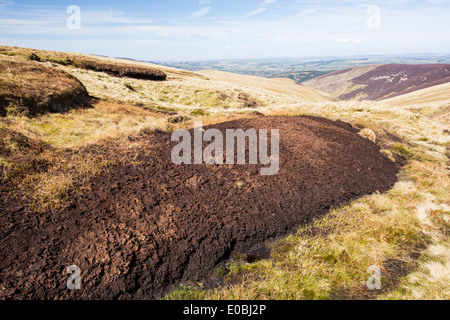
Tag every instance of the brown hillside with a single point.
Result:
(381, 82)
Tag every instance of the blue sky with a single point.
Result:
(213, 29)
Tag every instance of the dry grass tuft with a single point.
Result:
(368, 134)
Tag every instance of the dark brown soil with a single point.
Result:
(147, 225)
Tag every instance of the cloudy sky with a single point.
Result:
(222, 29)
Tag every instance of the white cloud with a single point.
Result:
(255, 12)
(262, 8)
(307, 12)
(347, 40)
(203, 11)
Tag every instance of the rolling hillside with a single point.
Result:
(378, 82)
(126, 81)
(360, 184)
(280, 86)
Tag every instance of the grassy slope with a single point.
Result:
(433, 103)
(404, 231)
(338, 83)
(436, 94)
(286, 87)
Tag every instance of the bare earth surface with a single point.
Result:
(145, 226)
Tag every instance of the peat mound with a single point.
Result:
(114, 67)
(32, 88)
(144, 226)
(121, 69)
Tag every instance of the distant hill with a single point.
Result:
(302, 75)
(271, 67)
(377, 82)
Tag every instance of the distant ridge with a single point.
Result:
(378, 82)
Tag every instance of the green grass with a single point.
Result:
(199, 112)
